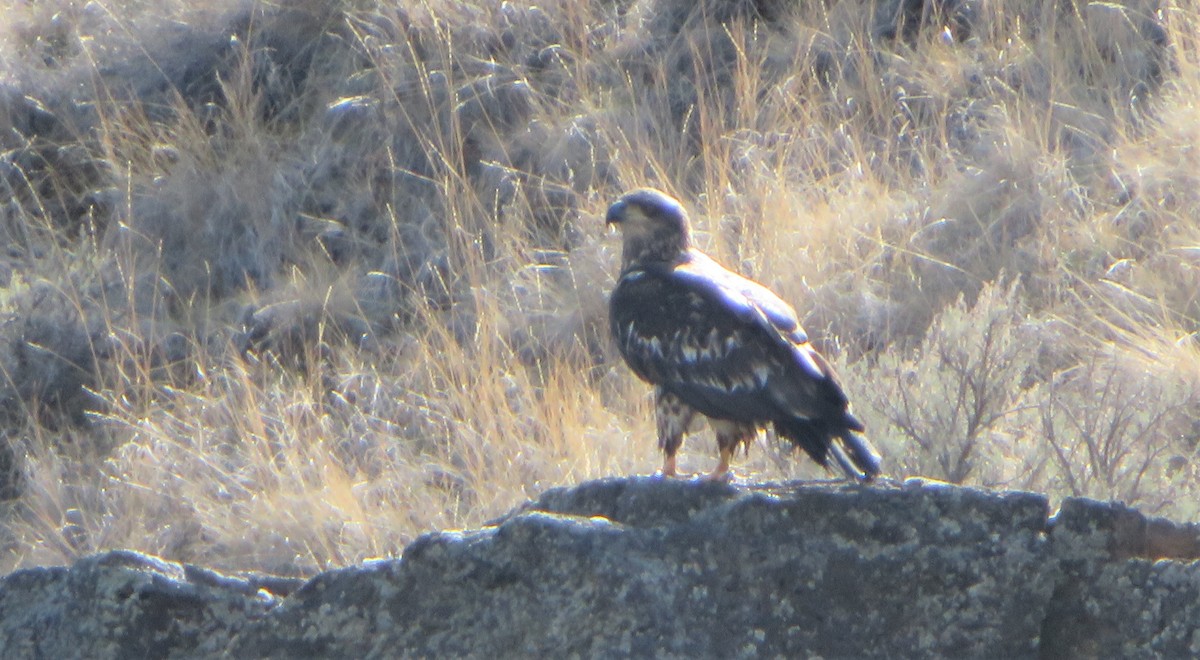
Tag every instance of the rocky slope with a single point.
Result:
(644, 567)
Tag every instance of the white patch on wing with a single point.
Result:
(747, 382)
(689, 352)
(762, 373)
(651, 347)
(717, 384)
(712, 345)
(630, 337)
(636, 343)
(692, 349)
(733, 342)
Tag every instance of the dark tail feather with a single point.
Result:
(852, 452)
(856, 456)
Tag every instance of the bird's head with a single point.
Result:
(653, 224)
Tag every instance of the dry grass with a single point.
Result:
(289, 284)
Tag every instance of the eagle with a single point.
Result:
(718, 344)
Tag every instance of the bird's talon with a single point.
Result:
(674, 474)
(718, 477)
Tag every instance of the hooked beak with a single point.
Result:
(616, 213)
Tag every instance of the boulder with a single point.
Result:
(645, 567)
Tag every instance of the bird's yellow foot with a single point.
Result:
(669, 470)
(721, 473)
(719, 476)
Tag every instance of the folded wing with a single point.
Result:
(724, 344)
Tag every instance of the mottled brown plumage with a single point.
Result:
(715, 343)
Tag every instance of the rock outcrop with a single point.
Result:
(650, 568)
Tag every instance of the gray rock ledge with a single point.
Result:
(641, 567)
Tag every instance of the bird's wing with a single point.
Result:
(724, 344)
(751, 301)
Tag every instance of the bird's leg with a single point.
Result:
(668, 468)
(722, 473)
(730, 435)
(669, 443)
(673, 418)
(669, 471)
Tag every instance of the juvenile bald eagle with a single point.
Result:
(715, 343)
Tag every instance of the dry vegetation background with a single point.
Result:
(286, 284)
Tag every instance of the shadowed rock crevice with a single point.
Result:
(644, 567)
